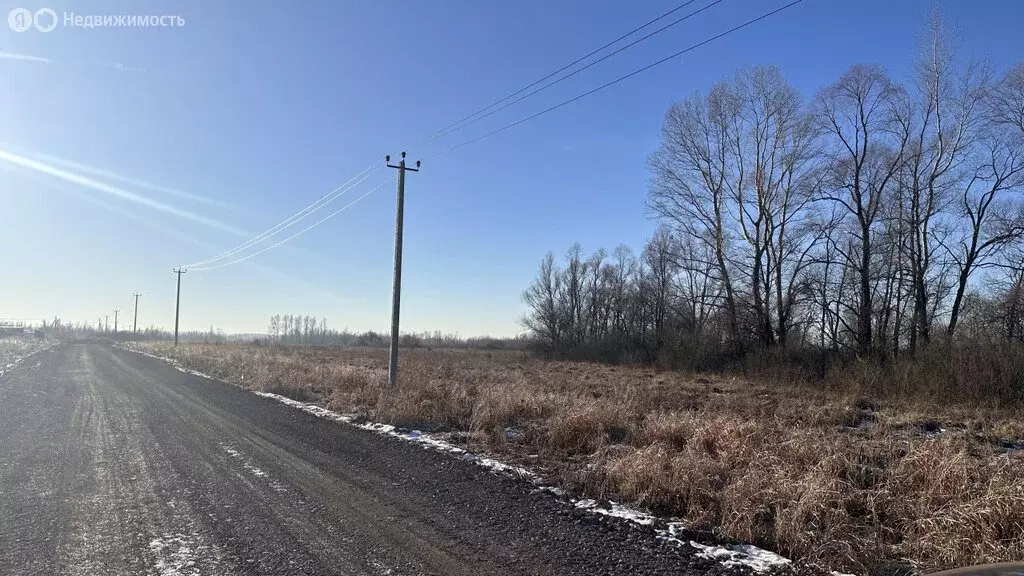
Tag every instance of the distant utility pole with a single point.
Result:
(106, 322)
(115, 322)
(177, 303)
(135, 321)
(396, 289)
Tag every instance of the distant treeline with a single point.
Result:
(300, 330)
(58, 329)
(307, 330)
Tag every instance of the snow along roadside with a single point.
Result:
(17, 361)
(733, 555)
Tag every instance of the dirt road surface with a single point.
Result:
(116, 463)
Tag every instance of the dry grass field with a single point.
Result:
(830, 478)
(15, 348)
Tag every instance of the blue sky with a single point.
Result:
(200, 135)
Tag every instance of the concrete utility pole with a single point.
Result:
(115, 322)
(396, 290)
(135, 321)
(106, 322)
(177, 303)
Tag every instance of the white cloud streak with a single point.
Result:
(24, 58)
(120, 67)
(170, 232)
(102, 173)
(133, 216)
(85, 181)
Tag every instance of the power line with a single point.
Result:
(335, 193)
(437, 134)
(578, 70)
(487, 111)
(460, 124)
(297, 234)
(621, 78)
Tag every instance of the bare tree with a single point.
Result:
(942, 120)
(691, 172)
(701, 295)
(735, 174)
(542, 297)
(1007, 102)
(275, 326)
(827, 278)
(991, 207)
(867, 146)
(779, 141)
(661, 257)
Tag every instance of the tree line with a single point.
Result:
(307, 330)
(871, 219)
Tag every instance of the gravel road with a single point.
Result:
(116, 463)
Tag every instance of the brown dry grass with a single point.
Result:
(828, 477)
(13, 348)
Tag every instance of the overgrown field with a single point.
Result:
(831, 478)
(12, 349)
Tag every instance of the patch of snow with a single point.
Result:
(617, 511)
(675, 529)
(254, 470)
(381, 568)
(414, 436)
(249, 466)
(758, 559)
(17, 361)
(551, 490)
(177, 554)
(174, 363)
